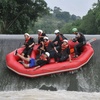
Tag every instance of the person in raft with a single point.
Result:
(42, 60)
(29, 43)
(59, 38)
(41, 35)
(81, 41)
(49, 47)
(64, 53)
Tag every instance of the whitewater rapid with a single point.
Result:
(35, 94)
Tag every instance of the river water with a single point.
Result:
(86, 80)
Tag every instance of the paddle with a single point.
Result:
(89, 41)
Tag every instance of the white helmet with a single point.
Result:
(65, 40)
(27, 34)
(47, 53)
(40, 31)
(46, 38)
(56, 31)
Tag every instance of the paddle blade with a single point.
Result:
(91, 40)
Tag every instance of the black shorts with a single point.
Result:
(27, 51)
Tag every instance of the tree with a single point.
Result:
(91, 22)
(57, 10)
(48, 24)
(73, 17)
(15, 15)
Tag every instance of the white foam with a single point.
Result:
(35, 94)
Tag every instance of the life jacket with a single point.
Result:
(63, 47)
(26, 40)
(42, 57)
(60, 37)
(39, 35)
(80, 39)
(47, 43)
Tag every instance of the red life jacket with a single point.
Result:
(61, 38)
(26, 40)
(47, 43)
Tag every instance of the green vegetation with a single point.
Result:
(89, 24)
(57, 19)
(16, 15)
(20, 16)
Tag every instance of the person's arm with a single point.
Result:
(32, 42)
(70, 58)
(41, 48)
(56, 39)
(22, 57)
(36, 67)
(55, 49)
(68, 51)
(31, 45)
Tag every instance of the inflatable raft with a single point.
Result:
(12, 62)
